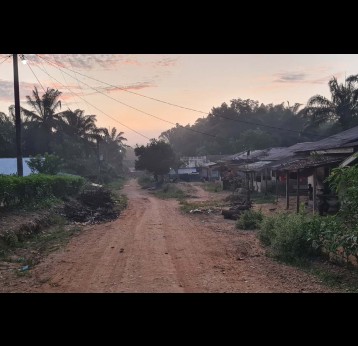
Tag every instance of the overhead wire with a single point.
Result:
(36, 77)
(137, 109)
(64, 78)
(7, 57)
(178, 106)
(93, 105)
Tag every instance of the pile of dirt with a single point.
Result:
(93, 205)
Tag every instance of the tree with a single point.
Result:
(113, 149)
(342, 109)
(156, 157)
(43, 112)
(7, 136)
(49, 164)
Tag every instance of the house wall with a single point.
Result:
(9, 166)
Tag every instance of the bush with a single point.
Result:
(49, 164)
(145, 181)
(288, 235)
(293, 236)
(16, 190)
(249, 219)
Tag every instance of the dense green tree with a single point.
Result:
(7, 136)
(156, 157)
(240, 125)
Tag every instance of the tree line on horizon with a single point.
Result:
(248, 125)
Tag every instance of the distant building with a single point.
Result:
(9, 166)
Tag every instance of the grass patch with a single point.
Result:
(28, 252)
(332, 275)
(261, 198)
(171, 191)
(117, 184)
(121, 201)
(212, 187)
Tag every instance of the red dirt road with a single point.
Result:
(153, 247)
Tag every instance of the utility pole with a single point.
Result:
(20, 171)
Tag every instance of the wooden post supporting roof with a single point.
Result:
(248, 188)
(287, 192)
(314, 196)
(298, 192)
(276, 186)
(266, 181)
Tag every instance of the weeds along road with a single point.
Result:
(154, 247)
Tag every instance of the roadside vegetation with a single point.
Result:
(249, 220)
(26, 250)
(15, 191)
(212, 186)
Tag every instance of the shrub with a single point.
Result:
(16, 190)
(293, 236)
(49, 164)
(288, 235)
(249, 219)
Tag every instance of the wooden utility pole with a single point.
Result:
(20, 170)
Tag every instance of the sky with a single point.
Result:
(196, 81)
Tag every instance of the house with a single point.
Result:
(9, 166)
(199, 167)
(314, 162)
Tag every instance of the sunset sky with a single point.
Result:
(198, 81)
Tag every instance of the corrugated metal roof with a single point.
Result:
(335, 141)
(9, 166)
(250, 167)
(253, 154)
(308, 162)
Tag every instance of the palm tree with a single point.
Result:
(81, 127)
(43, 112)
(342, 109)
(77, 124)
(113, 144)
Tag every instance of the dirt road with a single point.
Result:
(153, 247)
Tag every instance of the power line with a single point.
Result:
(5, 59)
(45, 71)
(64, 78)
(94, 106)
(139, 110)
(36, 77)
(135, 93)
(175, 105)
